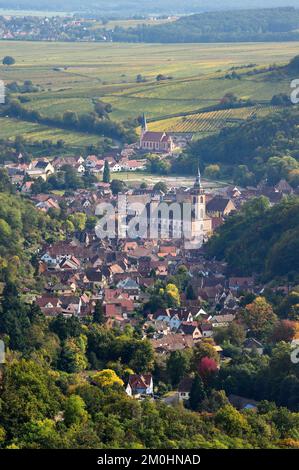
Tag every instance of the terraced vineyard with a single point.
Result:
(210, 122)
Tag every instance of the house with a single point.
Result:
(172, 342)
(80, 168)
(284, 187)
(94, 279)
(252, 345)
(134, 165)
(156, 328)
(220, 207)
(219, 321)
(71, 263)
(207, 330)
(242, 403)
(167, 251)
(48, 302)
(71, 305)
(92, 161)
(184, 388)
(47, 204)
(41, 169)
(241, 283)
(190, 329)
(26, 188)
(59, 162)
(130, 287)
(140, 385)
(115, 167)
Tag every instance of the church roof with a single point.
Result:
(155, 136)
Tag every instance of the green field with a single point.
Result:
(11, 128)
(136, 178)
(71, 75)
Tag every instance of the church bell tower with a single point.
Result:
(198, 200)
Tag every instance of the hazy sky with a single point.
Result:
(131, 7)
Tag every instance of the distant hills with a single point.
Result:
(273, 24)
(126, 8)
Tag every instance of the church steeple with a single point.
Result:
(197, 184)
(144, 123)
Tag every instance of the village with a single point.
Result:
(82, 271)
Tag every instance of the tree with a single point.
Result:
(212, 171)
(197, 394)
(215, 401)
(5, 183)
(117, 186)
(98, 314)
(8, 60)
(73, 358)
(74, 411)
(284, 330)
(173, 294)
(178, 365)
(71, 177)
(29, 393)
(204, 349)
(140, 78)
(207, 368)
(78, 219)
(234, 333)
(231, 421)
(65, 328)
(160, 186)
(259, 317)
(107, 378)
(106, 173)
(190, 294)
(70, 118)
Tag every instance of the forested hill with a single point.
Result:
(23, 230)
(257, 149)
(261, 240)
(231, 26)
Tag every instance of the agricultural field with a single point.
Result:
(11, 128)
(132, 23)
(41, 13)
(71, 75)
(134, 179)
(210, 122)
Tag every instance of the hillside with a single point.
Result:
(23, 229)
(258, 148)
(260, 240)
(231, 26)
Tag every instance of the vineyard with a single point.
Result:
(210, 122)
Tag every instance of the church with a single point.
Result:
(158, 142)
(201, 223)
